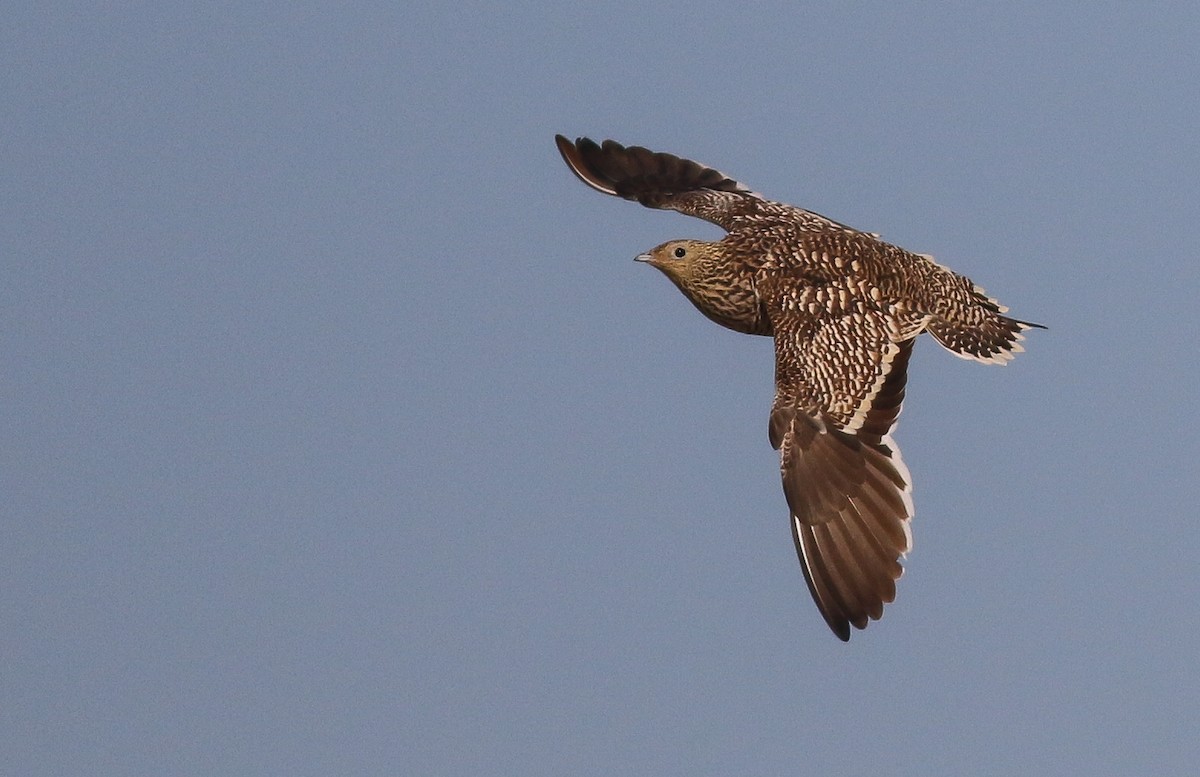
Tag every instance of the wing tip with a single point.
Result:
(573, 153)
(637, 173)
(845, 565)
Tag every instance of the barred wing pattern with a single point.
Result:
(839, 389)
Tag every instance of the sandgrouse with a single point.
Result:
(844, 308)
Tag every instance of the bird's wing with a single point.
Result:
(659, 180)
(839, 381)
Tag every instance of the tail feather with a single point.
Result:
(996, 339)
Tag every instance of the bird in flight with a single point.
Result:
(844, 308)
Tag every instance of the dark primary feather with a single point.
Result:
(637, 172)
(659, 180)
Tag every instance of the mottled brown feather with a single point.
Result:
(844, 308)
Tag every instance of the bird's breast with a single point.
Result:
(733, 304)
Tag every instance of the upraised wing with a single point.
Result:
(660, 180)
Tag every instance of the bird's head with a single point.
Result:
(683, 261)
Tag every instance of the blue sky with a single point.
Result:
(341, 435)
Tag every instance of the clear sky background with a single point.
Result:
(341, 435)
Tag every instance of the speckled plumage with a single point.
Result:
(844, 308)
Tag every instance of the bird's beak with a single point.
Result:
(643, 258)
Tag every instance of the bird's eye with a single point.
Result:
(680, 252)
